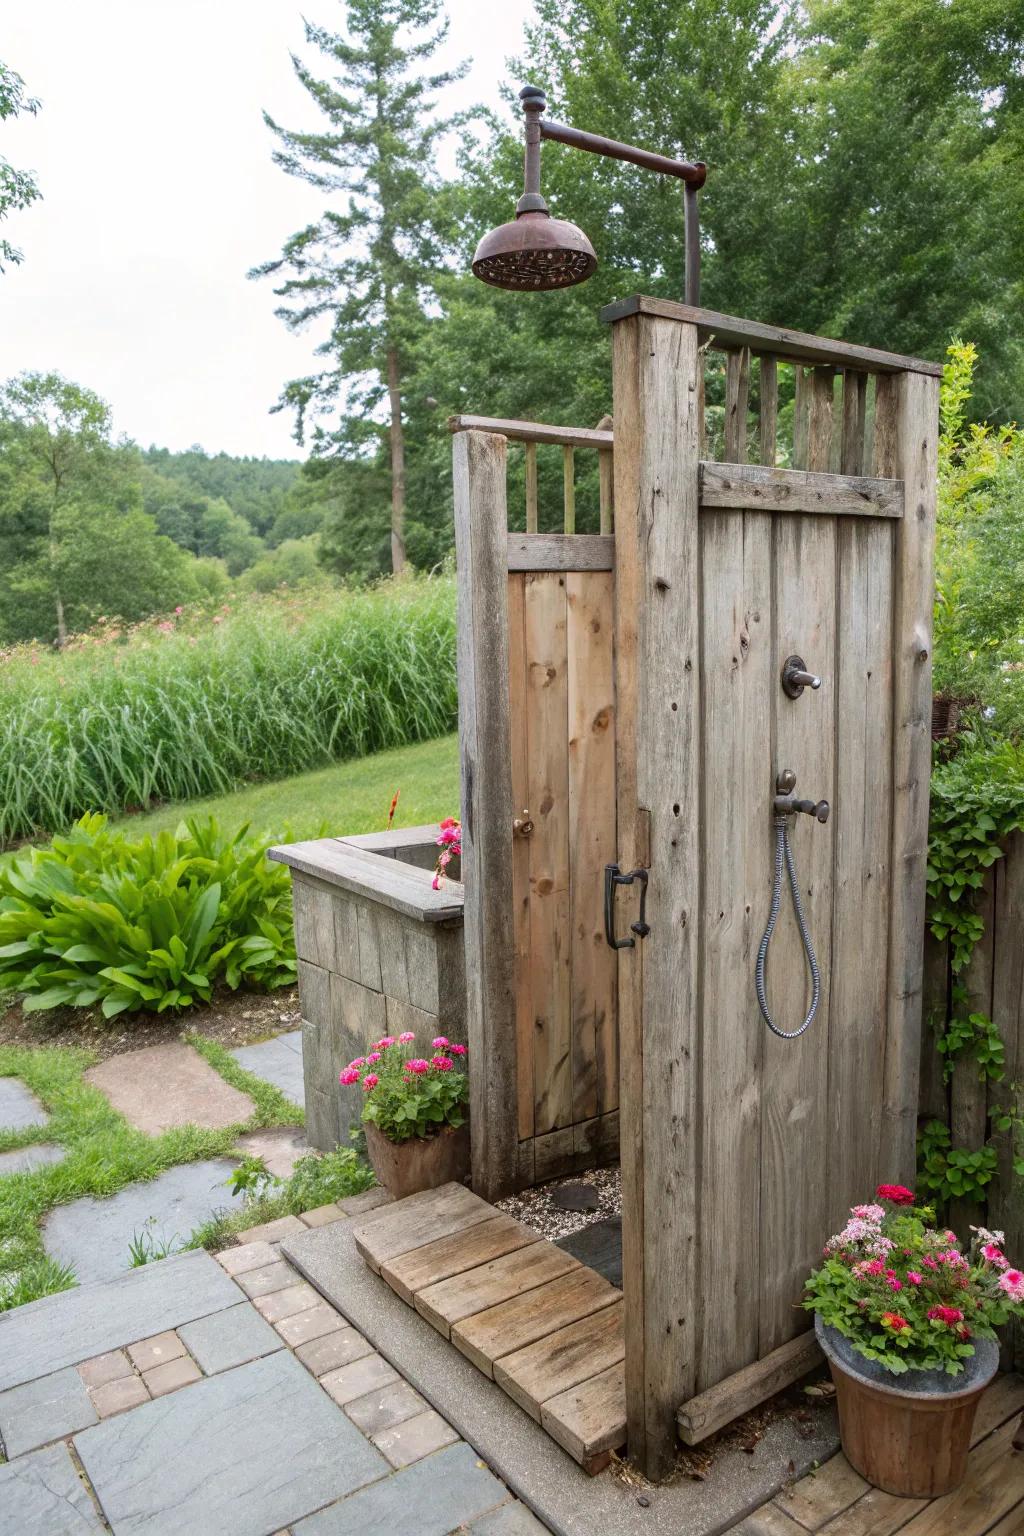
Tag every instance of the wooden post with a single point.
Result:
(656, 396)
(531, 487)
(912, 438)
(569, 490)
(481, 545)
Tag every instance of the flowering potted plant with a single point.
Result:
(414, 1111)
(907, 1322)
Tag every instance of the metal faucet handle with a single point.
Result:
(795, 677)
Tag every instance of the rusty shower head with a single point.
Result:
(534, 252)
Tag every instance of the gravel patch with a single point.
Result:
(536, 1209)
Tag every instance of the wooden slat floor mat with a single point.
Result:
(538, 1322)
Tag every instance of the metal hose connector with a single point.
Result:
(784, 852)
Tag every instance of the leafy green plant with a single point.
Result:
(251, 1179)
(406, 1095)
(953, 1173)
(98, 918)
(320, 1178)
(146, 1248)
(971, 1036)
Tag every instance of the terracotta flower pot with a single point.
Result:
(910, 1434)
(422, 1162)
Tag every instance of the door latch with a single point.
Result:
(613, 876)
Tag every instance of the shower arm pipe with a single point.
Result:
(693, 176)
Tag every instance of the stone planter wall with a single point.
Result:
(380, 952)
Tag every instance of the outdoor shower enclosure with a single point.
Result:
(621, 703)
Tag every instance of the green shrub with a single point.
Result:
(200, 704)
(98, 918)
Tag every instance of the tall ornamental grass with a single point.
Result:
(199, 705)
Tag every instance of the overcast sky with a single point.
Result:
(159, 194)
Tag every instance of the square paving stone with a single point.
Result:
(285, 1302)
(355, 1380)
(415, 1438)
(248, 1451)
(313, 1323)
(109, 1367)
(191, 1092)
(322, 1216)
(230, 1338)
(42, 1495)
(277, 1061)
(94, 1235)
(386, 1408)
(56, 1331)
(28, 1159)
(156, 1351)
(236, 1261)
(271, 1277)
(430, 1498)
(279, 1149)
(333, 1350)
(171, 1376)
(271, 1231)
(19, 1107)
(43, 1410)
(118, 1396)
(512, 1519)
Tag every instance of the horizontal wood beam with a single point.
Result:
(761, 488)
(737, 1394)
(561, 552)
(730, 331)
(374, 876)
(532, 431)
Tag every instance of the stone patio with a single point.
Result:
(201, 1394)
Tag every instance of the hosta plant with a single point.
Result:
(96, 918)
(407, 1095)
(904, 1294)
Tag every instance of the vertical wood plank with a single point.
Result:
(591, 689)
(1006, 1201)
(860, 891)
(547, 704)
(569, 490)
(801, 411)
(531, 487)
(481, 543)
(737, 392)
(519, 721)
(737, 688)
(769, 414)
(855, 385)
(795, 1075)
(916, 454)
(968, 1093)
(656, 392)
(606, 482)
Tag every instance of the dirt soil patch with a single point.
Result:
(232, 1018)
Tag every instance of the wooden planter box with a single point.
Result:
(380, 952)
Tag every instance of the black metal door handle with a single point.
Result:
(613, 876)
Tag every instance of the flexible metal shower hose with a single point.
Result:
(783, 851)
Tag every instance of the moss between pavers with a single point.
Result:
(104, 1154)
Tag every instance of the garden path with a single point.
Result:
(277, 1061)
(225, 1394)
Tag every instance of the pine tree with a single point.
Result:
(369, 261)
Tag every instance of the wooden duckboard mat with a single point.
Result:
(543, 1326)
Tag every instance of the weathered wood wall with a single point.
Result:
(994, 985)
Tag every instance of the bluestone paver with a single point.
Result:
(278, 1149)
(94, 1235)
(43, 1410)
(19, 1108)
(430, 1498)
(510, 1520)
(61, 1330)
(167, 1085)
(28, 1159)
(253, 1449)
(41, 1494)
(230, 1338)
(277, 1061)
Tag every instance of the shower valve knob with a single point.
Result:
(795, 677)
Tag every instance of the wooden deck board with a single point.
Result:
(563, 1359)
(490, 1285)
(417, 1220)
(523, 1310)
(447, 1256)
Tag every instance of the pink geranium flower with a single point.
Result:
(406, 1037)
(417, 1065)
(948, 1315)
(370, 1081)
(896, 1194)
(384, 1042)
(442, 1063)
(358, 1061)
(373, 1057)
(457, 1050)
(1012, 1282)
(995, 1255)
(440, 1043)
(348, 1077)
(915, 1277)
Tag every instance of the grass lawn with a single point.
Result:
(346, 798)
